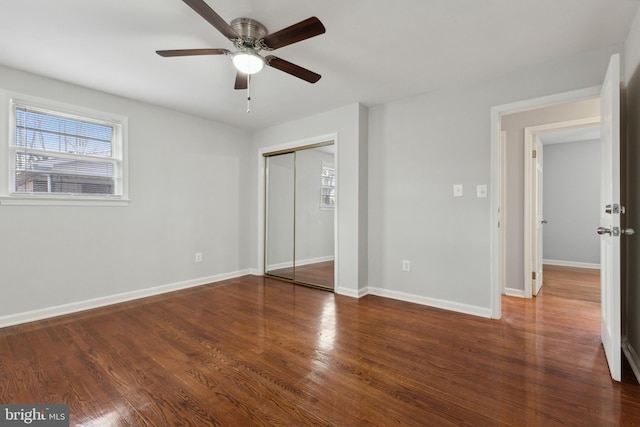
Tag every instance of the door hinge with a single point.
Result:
(533, 275)
(534, 154)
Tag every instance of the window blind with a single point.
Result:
(61, 153)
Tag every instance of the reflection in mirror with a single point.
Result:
(280, 215)
(314, 216)
(300, 205)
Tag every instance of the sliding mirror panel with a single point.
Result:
(279, 212)
(314, 216)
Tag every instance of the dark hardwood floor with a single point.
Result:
(254, 351)
(577, 284)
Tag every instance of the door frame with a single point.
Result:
(498, 165)
(530, 214)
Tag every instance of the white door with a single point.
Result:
(538, 218)
(609, 229)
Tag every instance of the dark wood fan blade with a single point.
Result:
(241, 81)
(191, 52)
(301, 31)
(293, 69)
(212, 18)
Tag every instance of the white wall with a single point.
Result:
(187, 187)
(418, 148)
(346, 125)
(571, 202)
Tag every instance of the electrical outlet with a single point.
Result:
(457, 190)
(406, 265)
(481, 191)
(198, 256)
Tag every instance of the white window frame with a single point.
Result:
(120, 153)
(327, 185)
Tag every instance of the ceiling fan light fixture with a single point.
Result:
(248, 62)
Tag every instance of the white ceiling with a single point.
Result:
(373, 51)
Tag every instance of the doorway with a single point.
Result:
(510, 121)
(610, 209)
(300, 204)
(562, 202)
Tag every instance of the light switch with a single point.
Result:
(457, 190)
(481, 191)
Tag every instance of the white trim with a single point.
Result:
(578, 123)
(571, 264)
(496, 263)
(496, 113)
(38, 200)
(632, 357)
(289, 264)
(74, 307)
(529, 215)
(336, 223)
(352, 293)
(502, 212)
(511, 292)
(432, 302)
(120, 125)
(315, 260)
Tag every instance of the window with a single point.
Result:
(328, 187)
(58, 153)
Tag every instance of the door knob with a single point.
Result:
(616, 231)
(604, 230)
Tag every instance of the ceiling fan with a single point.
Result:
(249, 38)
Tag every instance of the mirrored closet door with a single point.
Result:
(299, 215)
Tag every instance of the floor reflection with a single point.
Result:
(328, 325)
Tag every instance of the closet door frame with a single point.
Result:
(275, 151)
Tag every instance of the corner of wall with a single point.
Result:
(363, 194)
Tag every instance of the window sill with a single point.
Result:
(61, 201)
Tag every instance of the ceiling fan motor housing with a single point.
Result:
(250, 31)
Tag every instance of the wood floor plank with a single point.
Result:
(260, 352)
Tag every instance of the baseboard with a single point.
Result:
(571, 264)
(74, 307)
(255, 272)
(432, 302)
(632, 358)
(510, 292)
(353, 293)
(289, 264)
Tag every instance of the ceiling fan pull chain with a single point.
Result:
(248, 93)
